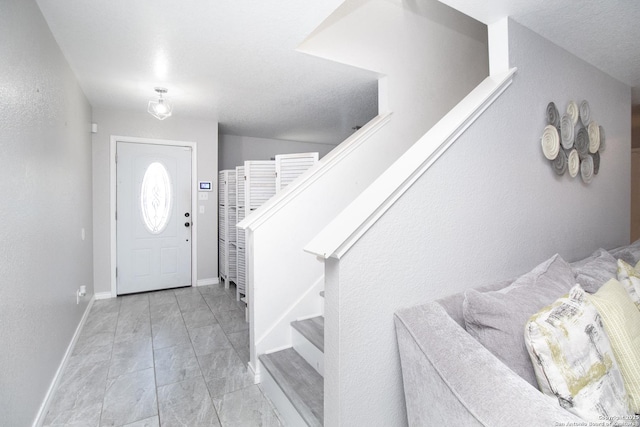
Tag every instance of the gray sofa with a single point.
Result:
(450, 379)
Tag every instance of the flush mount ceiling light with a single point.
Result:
(160, 109)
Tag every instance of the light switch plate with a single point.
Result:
(201, 209)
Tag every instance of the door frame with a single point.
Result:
(112, 200)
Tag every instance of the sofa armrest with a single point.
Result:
(451, 379)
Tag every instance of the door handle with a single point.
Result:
(187, 224)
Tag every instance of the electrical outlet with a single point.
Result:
(82, 291)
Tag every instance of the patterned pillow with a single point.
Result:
(622, 324)
(573, 359)
(630, 279)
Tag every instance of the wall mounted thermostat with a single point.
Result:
(205, 186)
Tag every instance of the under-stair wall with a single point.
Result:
(488, 209)
(427, 62)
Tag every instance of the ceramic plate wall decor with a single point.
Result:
(573, 141)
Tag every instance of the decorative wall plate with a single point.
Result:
(582, 142)
(566, 131)
(573, 163)
(586, 169)
(560, 163)
(553, 116)
(550, 142)
(573, 142)
(585, 113)
(594, 137)
(596, 162)
(573, 112)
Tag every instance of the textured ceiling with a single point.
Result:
(605, 33)
(228, 60)
(235, 60)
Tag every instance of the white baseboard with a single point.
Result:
(209, 281)
(277, 349)
(44, 408)
(102, 295)
(310, 316)
(255, 372)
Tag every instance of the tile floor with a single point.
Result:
(166, 358)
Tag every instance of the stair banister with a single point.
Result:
(259, 216)
(340, 234)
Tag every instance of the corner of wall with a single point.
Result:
(498, 35)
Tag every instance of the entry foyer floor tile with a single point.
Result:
(160, 359)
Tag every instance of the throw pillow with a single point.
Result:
(622, 322)
(496, 318)
(573, 359)
(630, 279)
(595, 270)
(630, 253)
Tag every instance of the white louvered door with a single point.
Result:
(227, 260)
(230, 226)
(222, 189)
(240, 186)
(241, 278)
(241, 282)
(257, 182)
(259, 186)
(291, 166)
(260, 182)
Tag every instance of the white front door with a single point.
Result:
(153, 217)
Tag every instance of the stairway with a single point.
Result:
(293, 377)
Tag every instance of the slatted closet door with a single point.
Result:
(227, 225)
(260, 182)
(240, 186)
(231, 187)
(232, 262)
(240, 240)
(230, 205)
(222, 187)
(222, 222)
(241, 277)
(291, 166)
(222, 258)
(259, 186)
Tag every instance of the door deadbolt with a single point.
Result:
(186, 214)
(187, 224)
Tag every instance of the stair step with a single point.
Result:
(312, 329)
(302, 385)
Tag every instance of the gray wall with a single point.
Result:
(143, 125)
(489, 209)
(45, 186)
(234, 150)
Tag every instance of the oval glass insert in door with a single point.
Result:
(155, 198)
